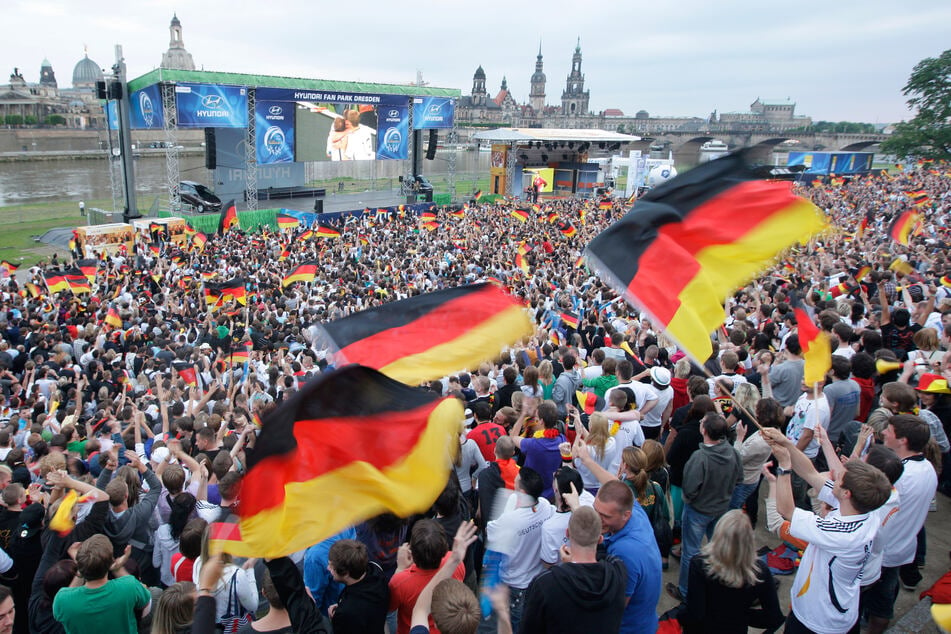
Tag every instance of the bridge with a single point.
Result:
(686, 145)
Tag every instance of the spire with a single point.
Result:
(505, 84)
(539, 49)
(578, 46)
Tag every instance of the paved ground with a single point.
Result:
(936, 564)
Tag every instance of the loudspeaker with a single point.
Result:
(319, 206)
(211, 149)
(431, 149)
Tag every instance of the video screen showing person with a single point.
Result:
(335, 132)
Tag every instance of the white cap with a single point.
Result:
(660, 376)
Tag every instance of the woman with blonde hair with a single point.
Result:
(175, 609)
(726, 580)
(546, 378)
(602, 446)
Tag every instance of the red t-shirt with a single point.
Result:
(405, 588)
(182, 567)
(485, 435)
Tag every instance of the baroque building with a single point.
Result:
(176, 57)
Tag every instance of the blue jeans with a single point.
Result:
(694, 526)
(740, 493)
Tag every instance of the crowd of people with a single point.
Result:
(592, 456)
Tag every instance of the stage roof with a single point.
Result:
(507, 135)
(274, 81)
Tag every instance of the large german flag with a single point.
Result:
(89, 267)
(77, 282)
(432, 335)
(199, 240)
(9, 267)
(303, 272)
(353, 440)
(228, 219)
(520, 214)
(234, 289)
(816, 348)
(692, 241)
(326, 231)
(212, 293)
(285, 221)
(567, 229)
(241, 354)
(55, 281)
(903, 226)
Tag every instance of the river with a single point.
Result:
(88, 179)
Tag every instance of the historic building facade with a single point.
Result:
(479, 110)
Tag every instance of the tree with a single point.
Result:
(14, 119)
(928, 134)
(55, 119)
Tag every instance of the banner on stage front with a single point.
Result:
(274, 132)
(433, 112)
(211, 106)
(146, 112)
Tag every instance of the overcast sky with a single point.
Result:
(836, 60)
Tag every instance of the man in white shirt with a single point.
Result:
(518, 534)
(645, 398)
(908, 436)
(360, 139)
(825, 592)
(554, 530)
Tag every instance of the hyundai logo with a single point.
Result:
(435, 108)
(275, 110)
(213, 102)
(393, 114)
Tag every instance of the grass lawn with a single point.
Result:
(19, 223)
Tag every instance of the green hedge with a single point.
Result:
(442, 199)
(247, 220)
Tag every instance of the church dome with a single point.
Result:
(86, 73)
(479, 74)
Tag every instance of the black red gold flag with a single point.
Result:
(235, 289)
(695, 239)
(427, 216)
(360, 443)
(326, 231)
(113, 319)
(186, 371)
(285, 221)
(10, 267)
(228, 219)
(903, 226)
(476, 196)
(522, 263)
(520, 214)
(567, 229)
(199, 240)
(605, 203)
(816, 348)
(570, 320)
(77, 282)
(303, 272)
(240, 355)
(429, 336)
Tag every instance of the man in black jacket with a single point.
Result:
(365, 597)
(582, 594)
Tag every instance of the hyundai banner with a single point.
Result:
(274, 132)
(393, 134)
(146, 112)
(433, 112)
(211, 106)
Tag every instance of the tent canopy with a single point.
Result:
(519, 135)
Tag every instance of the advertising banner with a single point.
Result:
(274, 132)
(815, 162)
(112, 115)
(211, 106)
(433, 112)
(146, 112)
(392, 140)
(112, 238)
(850, 162)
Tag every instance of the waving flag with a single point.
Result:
(199, 240)
(903, 226)
(695, 239)
(304, 272)
(429, 336)
(285, 221)
(816, 348)
(358, 441)
(9, 267)
(326, 231)
(520, 214)
(228, 218)
(113, 319)
(78, 283)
